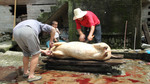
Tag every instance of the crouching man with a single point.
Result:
(26, 35)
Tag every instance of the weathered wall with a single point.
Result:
(145, 16)
(44, 2)
(24, 2)
(11, 2)
(6, 19)
(113, 15)
(145, 11)
(33, 11)
(34, 8)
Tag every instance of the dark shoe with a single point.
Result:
(34, 79)
(25, 75)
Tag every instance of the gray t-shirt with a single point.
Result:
(35, 25)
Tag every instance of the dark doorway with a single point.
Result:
(20, 10)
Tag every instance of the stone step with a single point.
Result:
(5, 46)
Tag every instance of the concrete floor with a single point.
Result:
(133, 72)
(11, 58)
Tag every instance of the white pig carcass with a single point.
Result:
(81, 50)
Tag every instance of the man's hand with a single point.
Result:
(82, 37)
(46, 52)
(51, 44)
(55, 40)
(90, 38)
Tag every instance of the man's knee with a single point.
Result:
(36, 55)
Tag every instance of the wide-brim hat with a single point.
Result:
(78, 13)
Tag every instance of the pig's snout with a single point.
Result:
(105, 48)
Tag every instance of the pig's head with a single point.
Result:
(105, 50)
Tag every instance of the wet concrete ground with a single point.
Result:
(133, 72)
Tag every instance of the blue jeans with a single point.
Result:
(97, 33)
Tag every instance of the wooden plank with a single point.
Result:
(93, 66)
(115, 61)
(117, 56)
(83, 62)
(146, 32)
(92, 69)
(141, 56)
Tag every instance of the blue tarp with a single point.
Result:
(148, 51)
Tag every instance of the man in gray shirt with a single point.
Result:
(26, 35)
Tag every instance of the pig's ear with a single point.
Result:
(97, 46)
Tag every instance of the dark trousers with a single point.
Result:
(97, 33)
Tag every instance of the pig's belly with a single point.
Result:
(78, 50)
